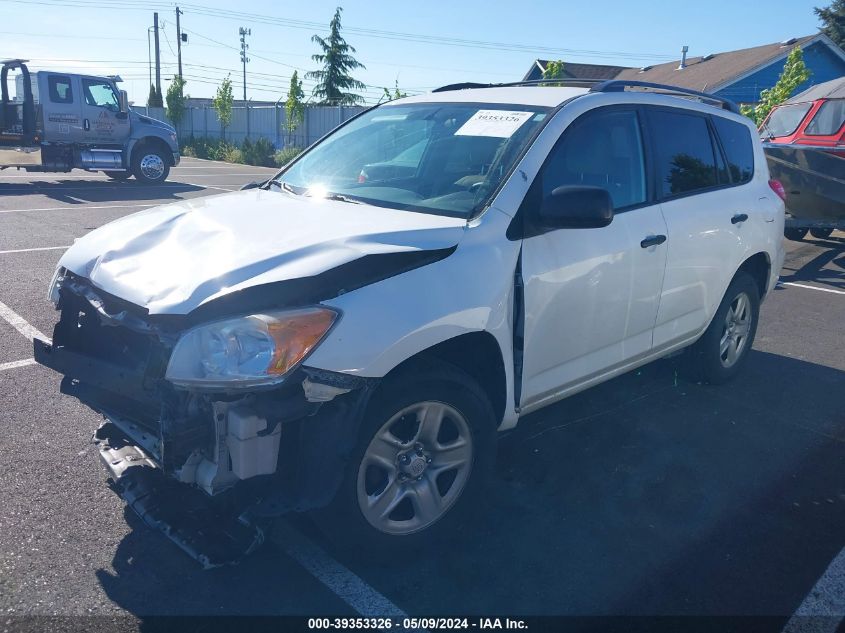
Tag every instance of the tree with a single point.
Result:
(222, 103)
(176, 100)
(396, 94)
(833, 21)
(554, 70)
(334, 81)
(294, 106)
(794, 74)
(154, 99)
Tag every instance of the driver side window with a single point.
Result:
(101, 94)
(600, 149)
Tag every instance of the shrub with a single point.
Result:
(258, 153)
(286, 155)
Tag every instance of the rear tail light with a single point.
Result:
(777, 187)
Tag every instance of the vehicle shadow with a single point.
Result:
(88, 191)
(644, 495)
(828, 267)
(151, 577)
(650, 495)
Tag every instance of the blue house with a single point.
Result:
(738, 75)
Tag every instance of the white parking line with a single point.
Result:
(17, 363)
(344, 583)
(29, 250)
(82, 207)
(823, 609)
(795, 285)
(19, 323)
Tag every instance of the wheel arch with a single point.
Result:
(476, 353)
(152, 142)
(759, 266)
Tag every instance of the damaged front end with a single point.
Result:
(200, 457)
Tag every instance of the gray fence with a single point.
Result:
(263, 122)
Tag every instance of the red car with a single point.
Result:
(804, 140)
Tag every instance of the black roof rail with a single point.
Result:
(569, 83)
(619, 85)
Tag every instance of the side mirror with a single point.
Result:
(575, 207)
(124, 101)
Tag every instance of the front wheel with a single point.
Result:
(150, 166)
(821, 234)
(425, 452)
(720, 352)
(796, 235)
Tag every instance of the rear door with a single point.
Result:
(102, 121)
(61, 109)
(591, 295)
(705, 214)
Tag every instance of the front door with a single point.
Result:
(103, 122)
(591, 295)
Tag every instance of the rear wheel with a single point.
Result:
(425, 452)
(796, 235)
(821, 234)
(720, 352)
(150, 165)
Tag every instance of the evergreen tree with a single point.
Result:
(833, 21)
(334, 81)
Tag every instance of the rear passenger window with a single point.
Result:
(59, 87)
(602, 149)
(736, 141)
(684, 159)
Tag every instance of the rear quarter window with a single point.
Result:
(60, 89)
(739, 148)
(828, 119)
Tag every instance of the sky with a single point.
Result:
(420, 45)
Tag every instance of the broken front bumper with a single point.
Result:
(213, 534)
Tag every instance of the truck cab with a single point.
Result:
(62, 121)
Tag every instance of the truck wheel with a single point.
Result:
(796, 235)
(720, 352)
(118, 175)
(425, 453)
(821, 234)
(150, 166)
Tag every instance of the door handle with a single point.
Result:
(86, 124)
(653, 240)
(739, 217)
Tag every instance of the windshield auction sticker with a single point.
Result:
(498, 123)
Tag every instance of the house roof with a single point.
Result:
(712, 72)
(577, 71)
(833, 89)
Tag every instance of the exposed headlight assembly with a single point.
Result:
(250, 351)
(55, 284)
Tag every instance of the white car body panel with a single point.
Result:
(597, 304)
(174, 258)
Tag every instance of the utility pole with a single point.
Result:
(158, 54)
(179, 40)
(244, 47)
(243, 32)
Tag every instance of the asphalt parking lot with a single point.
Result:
(647, 495)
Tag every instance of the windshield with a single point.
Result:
(439, 158)
(785, 119)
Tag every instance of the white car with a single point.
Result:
(349, 344)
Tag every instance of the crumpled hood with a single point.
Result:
(174, 258)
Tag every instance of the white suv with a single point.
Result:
(352, 334)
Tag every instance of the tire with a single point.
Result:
(796, 235)
(118, 175)
(723, 348)
(821, 234)
(388, 506)
(150, 166)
